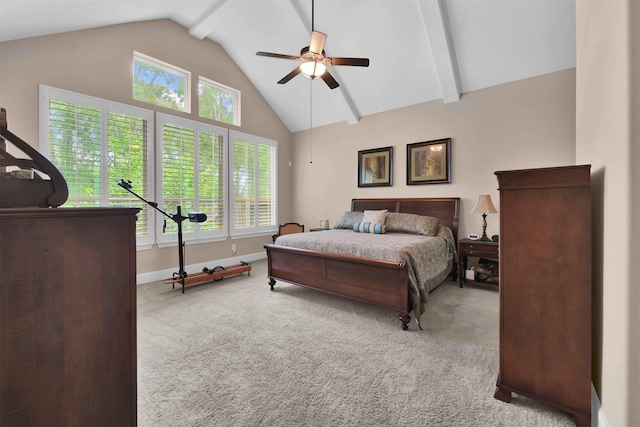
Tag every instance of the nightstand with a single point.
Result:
(475, 248)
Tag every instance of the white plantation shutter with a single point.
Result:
(212, 155)
(129, 159)
(244, 165)
(230, 176)
(94, 143)
(75, 149)
(266, 185)
(253, 184)
(178, 174)
(192, 168)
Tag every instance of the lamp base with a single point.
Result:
(484, 237)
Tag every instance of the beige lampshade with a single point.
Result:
(484, 205)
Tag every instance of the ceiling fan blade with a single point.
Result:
(329, 80)
(355, 62)
(317, 41)
(289, 76)
(276, 55)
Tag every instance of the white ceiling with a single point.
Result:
(420, 50)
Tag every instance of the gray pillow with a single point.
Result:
(349, 219)
(411, 223)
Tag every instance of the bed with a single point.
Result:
(392, 283)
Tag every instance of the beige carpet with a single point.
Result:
(233, 353)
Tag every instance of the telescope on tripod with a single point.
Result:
(178, 218)
(207, 274)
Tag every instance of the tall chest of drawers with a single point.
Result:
(545, 287)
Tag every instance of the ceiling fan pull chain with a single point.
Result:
(310, 121)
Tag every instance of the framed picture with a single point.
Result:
(429, 162)
(374, 167)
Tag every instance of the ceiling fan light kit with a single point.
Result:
(314, 61)
(313, 69)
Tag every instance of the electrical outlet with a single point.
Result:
(233, 249)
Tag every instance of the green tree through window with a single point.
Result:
(217, 102)
(160, 84)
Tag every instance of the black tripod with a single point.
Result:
(177, 218)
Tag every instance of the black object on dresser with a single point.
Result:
(545, 288)
(68, 317)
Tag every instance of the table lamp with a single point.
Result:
(484, 205)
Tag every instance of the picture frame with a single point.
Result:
(429, 162)
(375, 167)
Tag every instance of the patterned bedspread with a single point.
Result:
(429, 259)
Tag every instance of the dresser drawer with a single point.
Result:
(480, 253)
(478, 250)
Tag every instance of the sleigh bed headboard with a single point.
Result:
(447, 209)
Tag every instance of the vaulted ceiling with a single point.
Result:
(419, 50)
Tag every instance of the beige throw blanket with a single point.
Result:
(429, 259)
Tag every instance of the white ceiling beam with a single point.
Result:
(301, 15)
(436, 22)
(339, 95)
(344, 103)
(204, 26)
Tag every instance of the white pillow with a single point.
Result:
(375, 217)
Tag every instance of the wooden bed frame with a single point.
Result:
(377, 282)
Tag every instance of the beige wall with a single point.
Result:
(524, 124)
(98, 62)
(608, 137)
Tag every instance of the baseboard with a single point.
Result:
(597, 413)
(155, 276)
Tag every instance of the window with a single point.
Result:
(159, 83)
(94, 143)
(218, 102)
(192, 170)
(253, 184)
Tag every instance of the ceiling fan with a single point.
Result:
(313, 58)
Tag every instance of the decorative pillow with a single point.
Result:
(349, 219)
(369, 227)
(375, 216)
(411, 223)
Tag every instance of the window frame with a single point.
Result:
(47, 93)
(256, 230)
(154, 62)
(155, 167)
(197, 235)
(236, 93)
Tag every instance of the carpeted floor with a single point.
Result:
(233, 353)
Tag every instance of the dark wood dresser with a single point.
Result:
(68, 317)
(545, 288)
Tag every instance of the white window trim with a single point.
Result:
(198, 236)
(47, 93)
